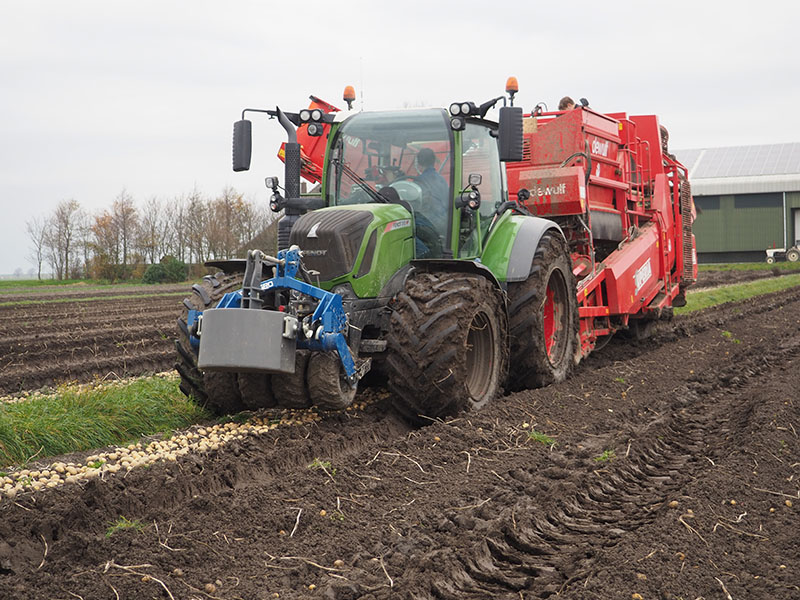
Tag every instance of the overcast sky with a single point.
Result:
(97, 96)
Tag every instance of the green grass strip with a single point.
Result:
(89, 299)
(15, 283)
(730, 293)
(84, 417)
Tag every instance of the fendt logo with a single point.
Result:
(600, 148)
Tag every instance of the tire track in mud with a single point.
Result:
(542, 550)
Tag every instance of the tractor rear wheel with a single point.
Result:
(448, 346)
(792, 255)
(217, 392)
(543, 318)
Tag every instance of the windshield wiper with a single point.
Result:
(362, 183)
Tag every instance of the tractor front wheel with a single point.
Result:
(448, 346)
(543, 318)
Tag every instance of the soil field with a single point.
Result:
(81, 333)
(673, 473)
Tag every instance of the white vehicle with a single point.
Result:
(791, 254)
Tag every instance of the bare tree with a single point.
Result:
(153, 231)
(195, 232)
(37, 229)
(105, 247)
(125, 219)
(175, 228)
(61, 234)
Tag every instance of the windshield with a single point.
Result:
(401, 156)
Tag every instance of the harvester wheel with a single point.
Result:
(543, 318)
(218, 392)
(290, 389)
(328, 388)
(448, 345)
(256, 390)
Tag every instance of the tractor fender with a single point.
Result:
(454, 265)
(397, 283)
(511, 246)
(233, 265)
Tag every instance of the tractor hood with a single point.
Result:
(360, 244)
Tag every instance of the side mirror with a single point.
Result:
(242, 144)
(510, 134)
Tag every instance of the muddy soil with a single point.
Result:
(663, 469)
(711, 279)
(49, 343)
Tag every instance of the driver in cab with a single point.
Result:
(433, 183)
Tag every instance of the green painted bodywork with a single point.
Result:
(497, 250)
(394, 248)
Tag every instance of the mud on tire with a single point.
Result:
(448, 348)
(543, 318)
(217, 392)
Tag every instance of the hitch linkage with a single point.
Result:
(325, 331)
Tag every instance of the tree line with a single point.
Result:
(120, 242)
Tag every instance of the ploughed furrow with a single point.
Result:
(38, 295)
(44, 346)
(255, 467)
(86, 364)
(60, 316)
(119, 332)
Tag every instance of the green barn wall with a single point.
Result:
(730, 229)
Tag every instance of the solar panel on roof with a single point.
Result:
(742, 161)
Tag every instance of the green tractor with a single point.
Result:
(411, 262)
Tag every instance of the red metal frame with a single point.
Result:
(617, 196)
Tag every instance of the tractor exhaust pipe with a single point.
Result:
(292, 178)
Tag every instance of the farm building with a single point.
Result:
(747, 198)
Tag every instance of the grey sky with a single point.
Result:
(97, 96)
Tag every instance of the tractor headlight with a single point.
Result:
(315, 129)
(305, 115)
(316, 114)
(455, 108)
(457, 124)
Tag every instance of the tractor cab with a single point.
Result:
(449, 177)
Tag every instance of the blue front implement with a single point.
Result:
(328, 323)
